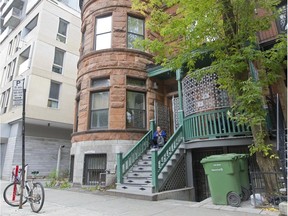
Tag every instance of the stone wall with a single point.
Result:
(109, 147)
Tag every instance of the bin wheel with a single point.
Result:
(233, 199)
(245, 194)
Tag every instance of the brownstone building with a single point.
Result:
(121, 95)
(115, 98)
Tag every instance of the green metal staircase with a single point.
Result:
(141, 171)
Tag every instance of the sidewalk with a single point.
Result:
(77, 203)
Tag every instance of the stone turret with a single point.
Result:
(113, 92)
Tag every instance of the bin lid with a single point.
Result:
(222, 157)
(243, 156)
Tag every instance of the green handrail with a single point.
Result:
(212, 124)
(160, 160)
(126, 162)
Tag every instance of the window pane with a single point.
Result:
(52, 104)
(59, 57)
(131, 38)
(135, 118)
(136, 25)
(57, 69)
(103, 41)
(136, 82)
(99, 119)
(62, 29)
(100, 83)
(136, 100)
(54, 91)
(100, 100)
(103, 25)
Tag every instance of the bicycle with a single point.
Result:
(33, 193)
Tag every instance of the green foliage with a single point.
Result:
(265, 149)
(226, 30)
(60, 182)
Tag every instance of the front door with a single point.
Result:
(162, 116)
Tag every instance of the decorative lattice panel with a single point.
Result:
(162, 116)
(176, 107)
(177, 178)
(202, 95)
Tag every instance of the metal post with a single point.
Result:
(155, 171)
(180, 112)
(23, 145)
(119, 168)
(58, 160)
(277, 123)
(152, 125)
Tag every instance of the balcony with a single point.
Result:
(13, 18)
(2, 3)
(10, 4)
(30, 5)
(24, 66)
(213, 124)
(4, 34)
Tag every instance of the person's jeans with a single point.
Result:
(154, 143)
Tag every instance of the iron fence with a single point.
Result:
(277, 194)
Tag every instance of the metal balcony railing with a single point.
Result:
(213, 124)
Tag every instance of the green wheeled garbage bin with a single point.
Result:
(223, 178)
(244, 177)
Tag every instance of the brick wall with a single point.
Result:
(115, 63)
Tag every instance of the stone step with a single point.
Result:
(134, 188)
(142, 174)
(146, 157)
(137, 181)
(136, 168)
(144, 163)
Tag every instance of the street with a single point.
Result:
(76, 203)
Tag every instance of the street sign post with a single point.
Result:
(19, 98)
(17, 92)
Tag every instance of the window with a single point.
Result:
(71, 168)
(136, 82)
(282, 18)
(62, 30)
(17, 42)
(10, 72)
(4, 101)
(99, 110)
(103, 33)
(98, 83)
(136, 110)
(10, 47)
(94, 165)
(135, 31)
(83, 41)
(30, 26)
(58, 61)
(8, 68)
(53, 100)
(3, 80)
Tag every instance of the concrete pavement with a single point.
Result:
(76, 203)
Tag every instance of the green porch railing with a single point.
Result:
(161, 158)
(126, 162)
(212, 124)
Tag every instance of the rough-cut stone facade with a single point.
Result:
(116, 63)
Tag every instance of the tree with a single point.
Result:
(180, 31)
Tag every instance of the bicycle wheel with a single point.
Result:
(12, 193)
(36, 197)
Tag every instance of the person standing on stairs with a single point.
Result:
(159, 138)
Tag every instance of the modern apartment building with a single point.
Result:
(39, 41)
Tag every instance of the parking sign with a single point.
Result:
(17, 91)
